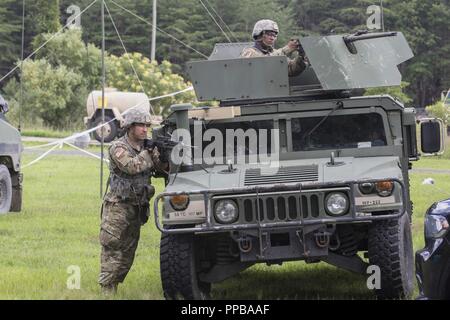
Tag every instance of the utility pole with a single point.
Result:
(103, 97)
(21, 67)
(152, 57)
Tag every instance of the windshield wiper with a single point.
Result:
(338, 106)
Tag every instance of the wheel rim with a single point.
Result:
(104, 131)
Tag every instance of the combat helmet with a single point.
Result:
(137, 115)
(264, 25)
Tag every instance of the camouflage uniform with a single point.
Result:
(296, 62)
(125, 209)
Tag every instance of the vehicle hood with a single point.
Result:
(289, 172)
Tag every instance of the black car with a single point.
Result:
(433, 261)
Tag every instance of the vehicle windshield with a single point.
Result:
(227, 140)
(342, 132)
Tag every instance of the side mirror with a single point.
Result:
(432, 136)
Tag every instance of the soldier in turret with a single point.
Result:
(265, 33)
(126, 204)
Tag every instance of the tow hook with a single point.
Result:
(322, 239)
(245, 244)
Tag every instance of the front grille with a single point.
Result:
(294, 174)
(287, 207)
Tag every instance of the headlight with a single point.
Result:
(384, 188)
(366, 187)
(436, 226)
(336, 204)
(226, 211)
(179, 202)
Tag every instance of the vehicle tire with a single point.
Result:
(390, 248)
(110, 130)
(178, 259)
(17, 191)
(5, 189)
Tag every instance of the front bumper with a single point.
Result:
(300, 219)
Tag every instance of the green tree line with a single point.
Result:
(58, 80)
(425, 23)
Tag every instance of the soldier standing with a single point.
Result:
(126, 204)
(265, 33)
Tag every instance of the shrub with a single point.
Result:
(157, 80)
(52, 94)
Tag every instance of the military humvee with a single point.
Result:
(10, 153)
(337, 188)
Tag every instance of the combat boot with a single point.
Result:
(110, 289)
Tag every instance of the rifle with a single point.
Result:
(164, 145)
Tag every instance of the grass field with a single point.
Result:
(59, 226)
(45, 133)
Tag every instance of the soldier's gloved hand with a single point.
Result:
(155, 155)
(294, 44)
(301, 62)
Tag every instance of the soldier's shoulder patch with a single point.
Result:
(118, 150)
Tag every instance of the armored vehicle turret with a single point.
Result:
(286, 169)
(10, 154)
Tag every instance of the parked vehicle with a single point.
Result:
(341, 183)
(433, 261)
(116, 103)
(10, 155)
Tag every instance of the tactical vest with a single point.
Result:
(135, 189)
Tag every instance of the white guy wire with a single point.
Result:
(214, 19)
(159, 29)
(60, 145)
(228, 28)
(45, 43)
(42, 156)
(171, 94)
(74, 136)
(85, 151)
(128, 57)
(60, 142)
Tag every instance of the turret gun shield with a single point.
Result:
(357, 61)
